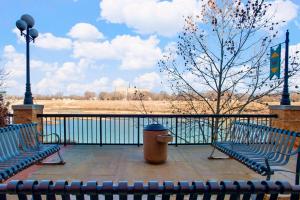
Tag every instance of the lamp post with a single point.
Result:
(26, 24)
(285, 99)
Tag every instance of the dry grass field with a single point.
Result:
(101, 106)
(113, 107)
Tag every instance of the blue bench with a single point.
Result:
(261, 148)
(20, 148)
(233, 190)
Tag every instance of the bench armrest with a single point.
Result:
(269, 156)
(49, 134)
(286, 154)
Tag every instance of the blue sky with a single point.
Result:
(100, 45)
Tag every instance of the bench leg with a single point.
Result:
(60, 158)
(297, 178)
(212, 157)
(298, 168)
(269, 172)
(60, 162)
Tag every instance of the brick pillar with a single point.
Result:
(23, 114)
(288, 118)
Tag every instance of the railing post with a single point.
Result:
(212, 129)
(138, 133)
(176, 131)
(42, 132)
(65, 132)
(248, 131)
(100, 131)
(297, 177)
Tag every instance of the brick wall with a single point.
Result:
(288, 118)
(24, 114)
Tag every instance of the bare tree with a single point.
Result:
(221, 64)
(58, 95)
(4, 118)
(88, 95)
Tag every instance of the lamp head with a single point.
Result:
(33, 33)
(28, 19)
(21, 25)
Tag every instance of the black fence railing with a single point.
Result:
(107, 190)
(127, 129)
(10, 118)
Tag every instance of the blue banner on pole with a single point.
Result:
(275, 62)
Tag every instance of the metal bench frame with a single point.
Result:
(20, 147)
(233, 190)
(261, 148)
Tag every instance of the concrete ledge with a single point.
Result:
(28, 107)
(283, 107)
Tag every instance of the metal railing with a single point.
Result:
(62, 189)
(10, 118)
(127, 129)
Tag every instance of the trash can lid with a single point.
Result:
(154, 127)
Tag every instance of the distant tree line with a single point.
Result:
(89, 95)
(153, 96)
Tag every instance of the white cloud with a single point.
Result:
(14, 63)
(63, 75)
(150, 16)
(18, 34)
(71, 71)
(97, 85)
(148, 81)
(119, 83)
(283, 10)
(94, 50)
(293, 49)
(68, 72)
(167, 17)
(171, 46)
(136, 53)
(295, 80)
(196, 82)
(49, 41)
(43, 66)
(170, 51)
(10, 84)
(132, 51)
(85, 32)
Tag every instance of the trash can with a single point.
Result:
(156, 140)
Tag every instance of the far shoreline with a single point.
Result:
(70, 106)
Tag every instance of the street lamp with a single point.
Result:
(285, 99)
(26, 23)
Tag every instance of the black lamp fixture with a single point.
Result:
(25, 25)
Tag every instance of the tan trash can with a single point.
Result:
(156, 140)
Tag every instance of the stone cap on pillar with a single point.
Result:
(28, 107)
(284, 107)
